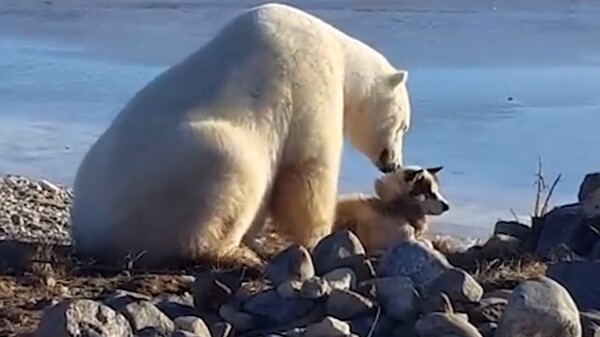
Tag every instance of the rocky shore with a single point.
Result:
(525, 280)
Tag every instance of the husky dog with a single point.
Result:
(397, 212)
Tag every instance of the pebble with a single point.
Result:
(542, 308)
(82, 317)
(294, 263)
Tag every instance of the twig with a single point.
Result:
(540, 184)
(375, 322)
(514, 214)
(545, 207)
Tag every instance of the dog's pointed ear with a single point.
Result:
(413, 175)
(435, 170)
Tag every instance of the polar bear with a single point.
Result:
(249, 126)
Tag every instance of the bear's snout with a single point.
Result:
(387, 162)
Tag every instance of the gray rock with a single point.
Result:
(329, 253)
(397, 296)
(328, 327)
(584, 237)
(221, 329)
(144, 314)
(341, 278)
(294, 263)
(580, 279)
(512, 228)
(414, 260)
(589, 184)
(489, 310)
(183, 333)
(487, 329)
(82, 317)
(375, 325)
(213, 289)
(175, 309)
(561, 253)
(557, 226)
(458, 285)
(240, 321)
(346, 304)
(540, 308)
(438, 324)
(120, 298)
(315, 287)
(289, 289)
(269, 306)
(192, 324)
(590, 323)
(152, 332)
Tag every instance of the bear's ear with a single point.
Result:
(435, 170)
(397, 78)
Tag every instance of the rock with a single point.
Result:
(120, 298)
(289, 289)
(341, 278)
(590, 323)
(589, 184)
(221, 329)
(152, 332)
(82, 317)
(579, 278)
(437, 324)
(591, 205)
(458, 285)
(315, 287)
(294, 263)
(328, 327)
(175, 309)
(192, 324)
(268, 306)
(144, 314)
(332, 249)
(595, 254)
(556, 227)
(414, 260)
(487, 329)
(240, 321)
(346, 304)
(211, 290)
(405, 330)
(184, 333)
(512, 228)
(561, 253)
(397, 296)
(381, 325)
(584, 237)
(542, 308)
(489, 309)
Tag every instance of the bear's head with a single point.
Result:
(376, 124)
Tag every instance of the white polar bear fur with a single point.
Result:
(250, 125)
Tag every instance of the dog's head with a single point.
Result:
(419, 183)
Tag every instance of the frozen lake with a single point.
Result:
(494, 85)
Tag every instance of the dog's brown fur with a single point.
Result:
(394, 215)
